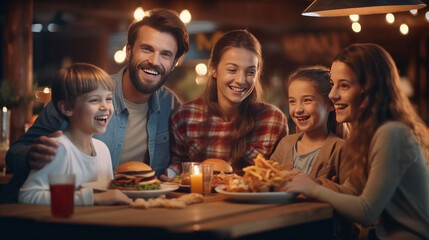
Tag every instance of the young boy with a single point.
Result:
(82, 94)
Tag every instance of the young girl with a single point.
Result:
(388, 147)
(227, 121)
(82, 94)
(315, 150)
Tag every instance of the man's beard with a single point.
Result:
(139, 85)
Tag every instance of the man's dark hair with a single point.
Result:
(163, 20)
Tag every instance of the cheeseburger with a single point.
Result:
(135, 175)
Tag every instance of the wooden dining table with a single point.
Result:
(216, 217)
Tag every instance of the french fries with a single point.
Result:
(264, 176)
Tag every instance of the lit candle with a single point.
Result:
(196, 180)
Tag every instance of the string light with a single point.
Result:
(138, 14)
(390, 18)
(413, 12)
(119, 56)
(404, 29)
(201, 69)
(427, 16)
(185, 16)
(356, 27)
(354, 17)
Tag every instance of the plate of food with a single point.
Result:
(165, 188)
(102, 186)
(261, 183)
(136, 180)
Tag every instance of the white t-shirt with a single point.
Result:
(69, 159)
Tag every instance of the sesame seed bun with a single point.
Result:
(133, 166)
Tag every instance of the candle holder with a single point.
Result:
(186, 172)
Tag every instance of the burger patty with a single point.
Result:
(137, 183)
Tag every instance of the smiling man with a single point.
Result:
(139, 128)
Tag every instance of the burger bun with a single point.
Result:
(219, 165)
(133, 166)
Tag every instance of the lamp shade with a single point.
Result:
(335, 8)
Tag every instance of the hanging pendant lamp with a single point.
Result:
(335, 8)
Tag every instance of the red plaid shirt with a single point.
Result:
(196, 137)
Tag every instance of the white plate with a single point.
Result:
(102, 186)
(165, 188)
(257, 197)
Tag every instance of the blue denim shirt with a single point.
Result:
(160, 104)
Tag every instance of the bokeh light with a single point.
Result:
(138, 14)
(185, 16)
(404, 29)
(390, 18)
(356, 27)
(201, 69)
(354, 17)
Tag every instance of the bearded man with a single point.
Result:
(139, 129)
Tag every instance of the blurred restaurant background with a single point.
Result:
(38, 37)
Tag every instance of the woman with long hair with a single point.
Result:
(387, 148)
(228, 121)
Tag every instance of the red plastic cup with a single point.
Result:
(62, 195)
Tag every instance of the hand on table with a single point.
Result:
(302, 183)
(111, 197)
(43, 150)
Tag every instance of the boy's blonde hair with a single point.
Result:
(76, 80)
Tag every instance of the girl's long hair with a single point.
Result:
(381, 100)
(244, 122)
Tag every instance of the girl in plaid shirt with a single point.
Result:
(228, 121)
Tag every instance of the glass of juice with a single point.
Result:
(62, 194)
(207, 170)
